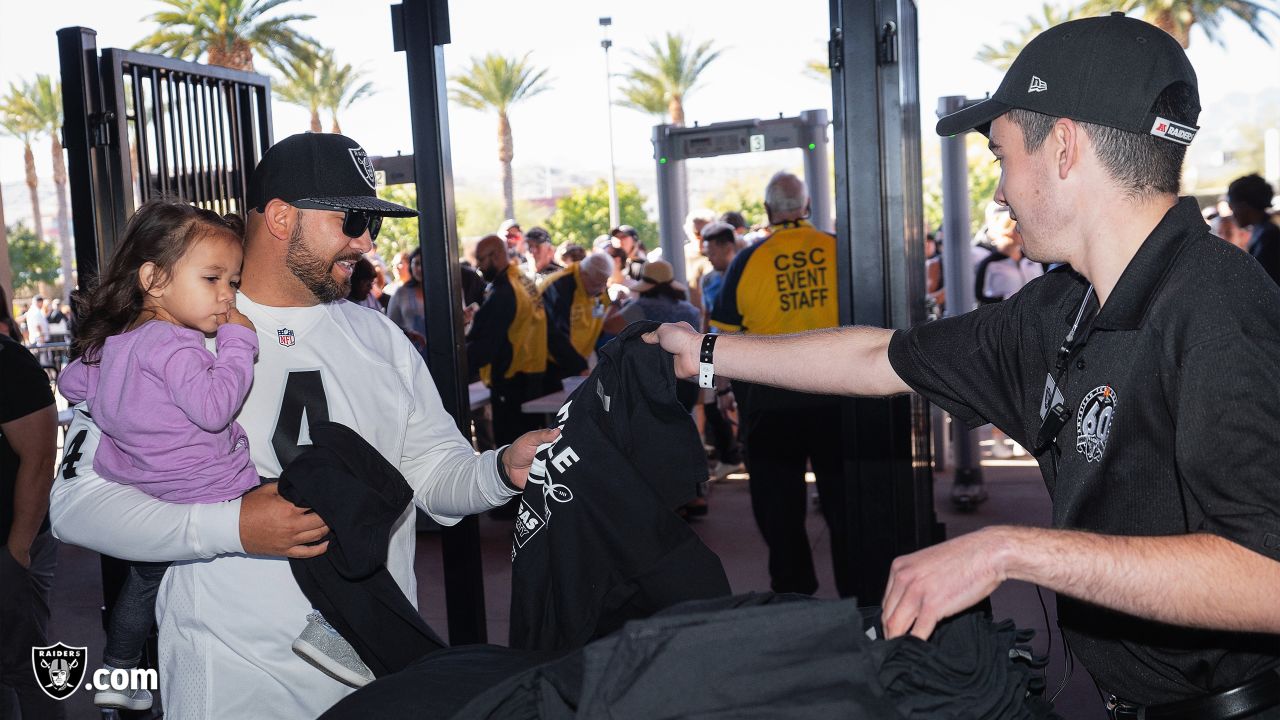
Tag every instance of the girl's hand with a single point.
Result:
(237, 317)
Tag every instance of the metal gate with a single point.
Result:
(139, 126)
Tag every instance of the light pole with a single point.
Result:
(606, 43)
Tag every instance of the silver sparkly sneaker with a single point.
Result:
(325, 648)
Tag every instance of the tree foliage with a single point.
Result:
(401, 234)
(496, 82)
(984, 175)
(229, 32)
(658, 82)
(583, 215)
(1001, 56)
(818, 70)
(34, 261)
(398, 234)
(342, 86)
(1176, 17)
(299, 84)
(743, 196)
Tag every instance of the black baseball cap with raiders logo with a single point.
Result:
(324, 168)
(1103, 70)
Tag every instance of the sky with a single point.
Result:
(760, 72)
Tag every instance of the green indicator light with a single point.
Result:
(813, 146)
(662, 161)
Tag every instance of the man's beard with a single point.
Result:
(314, 272)
(490, 273)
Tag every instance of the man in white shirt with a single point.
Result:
(1000, 269)
(37, 322)
(229, 608)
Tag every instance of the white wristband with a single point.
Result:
(707, 371)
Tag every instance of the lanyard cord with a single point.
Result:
(1049, 427)
(1064, 352)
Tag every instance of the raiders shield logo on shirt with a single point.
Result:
(364, 165)
(1093, 422)
(59, 669)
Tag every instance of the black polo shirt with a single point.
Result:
(1174, 426)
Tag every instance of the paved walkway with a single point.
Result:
(1017, 496)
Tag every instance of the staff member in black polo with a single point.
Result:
(1143, 375)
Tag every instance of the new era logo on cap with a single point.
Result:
(1037, 85)
(1170, 130)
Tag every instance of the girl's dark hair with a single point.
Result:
(160, 232)
(665, 290)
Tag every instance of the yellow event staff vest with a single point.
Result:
(586, 314)
(784, 284)
(528, 331)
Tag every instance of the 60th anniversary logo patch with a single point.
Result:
(1093, 422)
(59, 669)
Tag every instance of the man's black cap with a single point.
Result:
(537, 236)
(325, 168)
(1105, 70)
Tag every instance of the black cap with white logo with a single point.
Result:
(1106, 71)
(324, 168)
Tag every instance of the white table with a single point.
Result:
(551, 404)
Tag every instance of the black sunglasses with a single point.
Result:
(354, 222)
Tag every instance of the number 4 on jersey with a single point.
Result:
(303, 395)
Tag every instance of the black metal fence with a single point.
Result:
(139, 126)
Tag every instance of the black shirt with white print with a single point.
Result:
(597, 541)
(1174, 407)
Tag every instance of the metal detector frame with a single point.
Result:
(673, 145)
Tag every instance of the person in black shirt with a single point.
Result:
(1250, 197)
(28, 442)
(1142, 374)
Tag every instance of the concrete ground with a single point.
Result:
(1017, 496)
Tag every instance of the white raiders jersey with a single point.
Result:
(227, 619)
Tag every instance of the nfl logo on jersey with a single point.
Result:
(286, 337)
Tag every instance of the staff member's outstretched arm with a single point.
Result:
(839, 361)
(1196, 580)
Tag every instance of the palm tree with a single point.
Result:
(647, 98)
(496, 82)
(342, 87)
(6, 270)
(1177, 17)
(300, 84)
(45, 98)
(666, 75)
(229, 31)
(16, 120)
(1002, 55)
